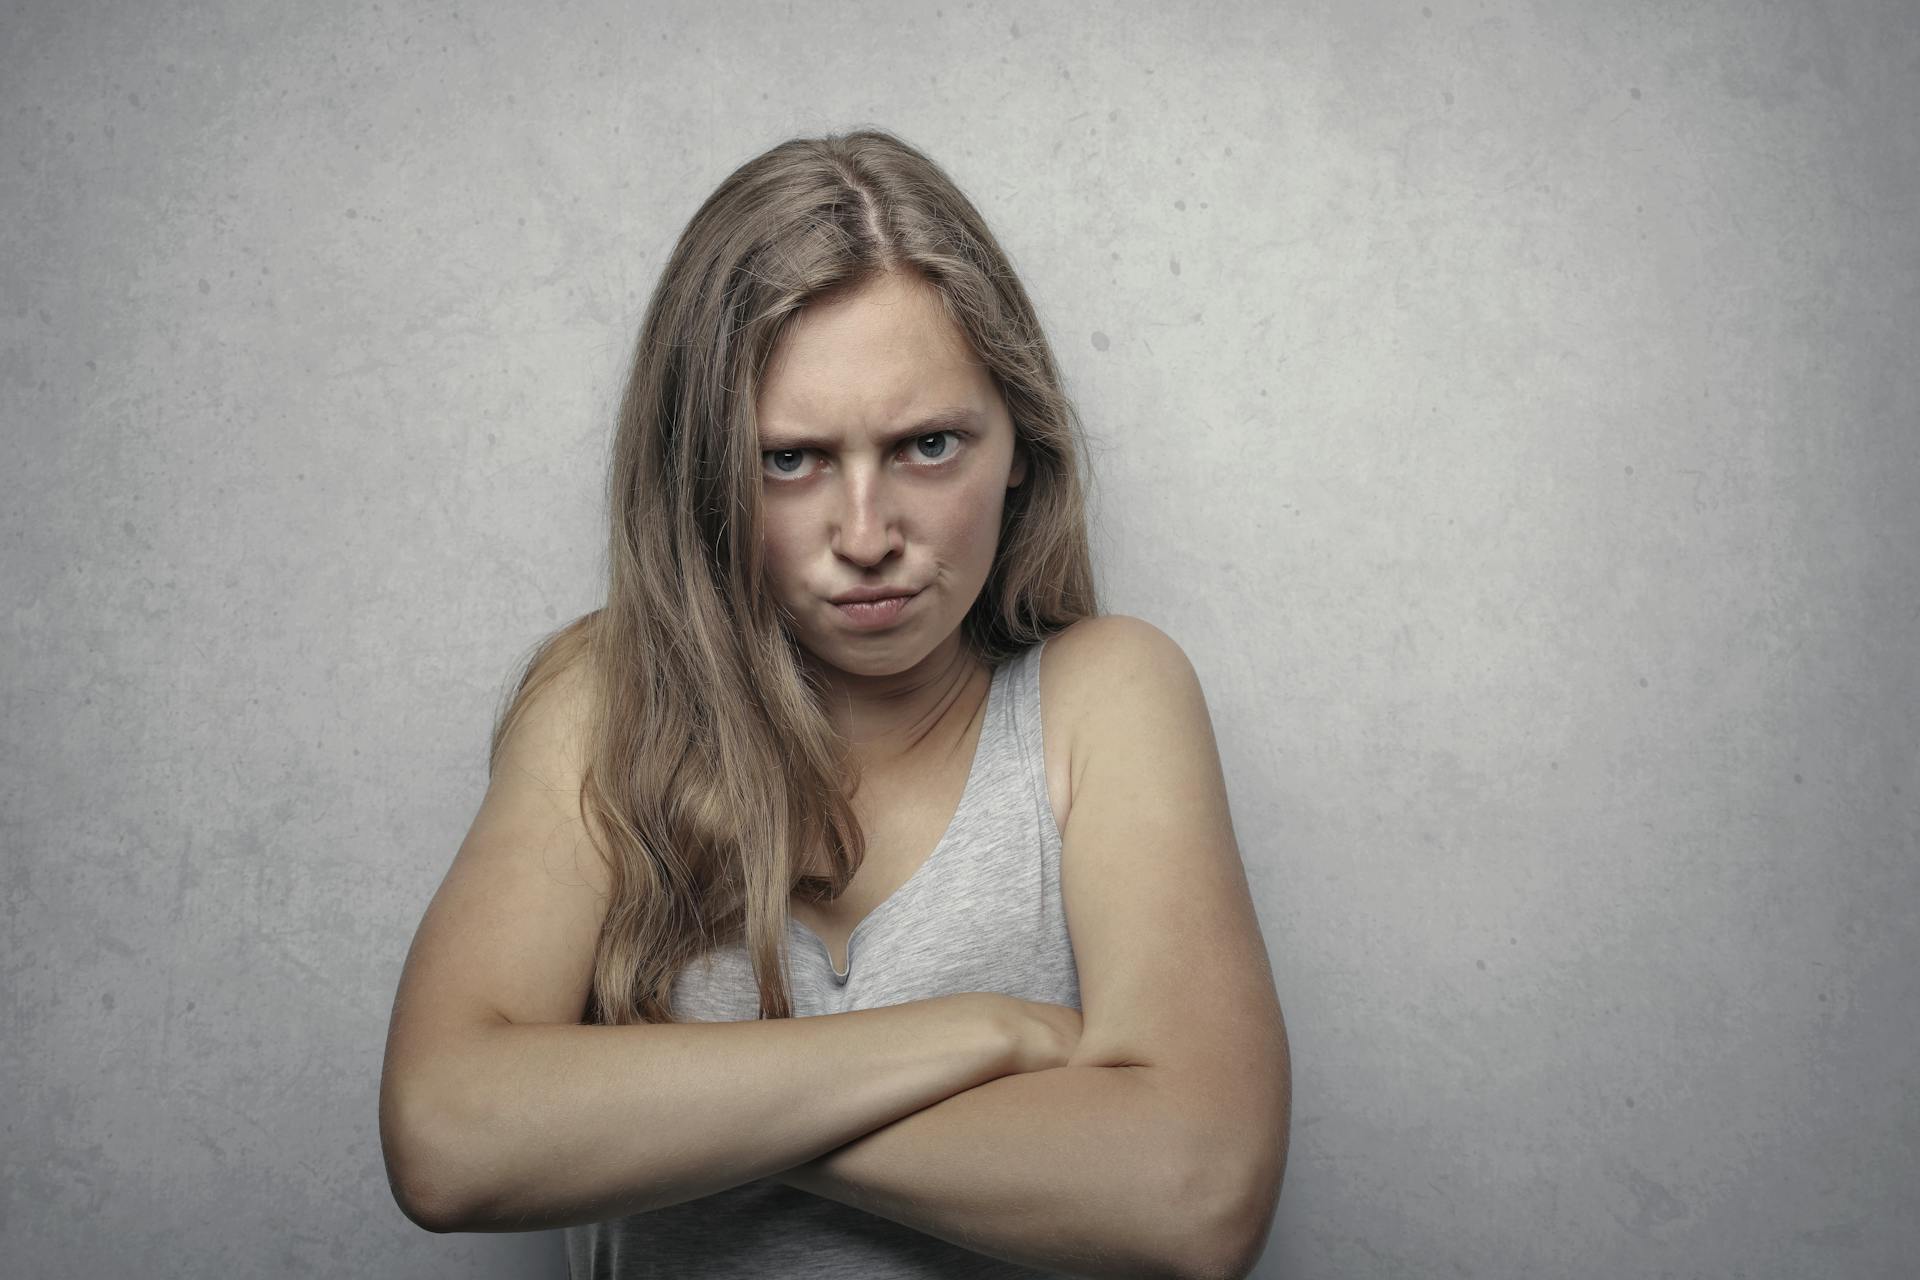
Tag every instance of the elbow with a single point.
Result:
(1226, 1246)
(1222, 1188)
(1241, 1243)
(423, 1213)
(419, 1166)
(1236, 1182)
(1205, 1238)
(425, 1210)
(1246, 1231)
(1230, 1209)
(1215, 1248)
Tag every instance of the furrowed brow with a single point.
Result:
(941, 420)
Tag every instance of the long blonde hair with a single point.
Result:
(712, 775)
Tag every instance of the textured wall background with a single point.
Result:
(1510, 407)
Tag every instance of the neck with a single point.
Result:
(896, 721)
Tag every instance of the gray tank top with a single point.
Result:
(983, 913)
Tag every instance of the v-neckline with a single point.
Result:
(959, 810)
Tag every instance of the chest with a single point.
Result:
(904, 821)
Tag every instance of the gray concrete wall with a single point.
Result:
(1511, 408)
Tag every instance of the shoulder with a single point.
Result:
(544, 740)
(1103, 674)
(1093, 653)
(1110, 631)
(553, 703)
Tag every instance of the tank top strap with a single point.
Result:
(1026, 730)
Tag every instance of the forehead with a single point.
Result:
(870, 360)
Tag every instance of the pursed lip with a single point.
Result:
(859, 594)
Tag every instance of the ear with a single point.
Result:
(1018, 475)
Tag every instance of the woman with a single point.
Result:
(746, 789)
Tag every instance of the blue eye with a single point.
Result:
(935, 435)
(779, 469)
(776, 453)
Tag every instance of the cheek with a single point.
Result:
(973, 523)
(776, 546)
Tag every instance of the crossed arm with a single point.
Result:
(1170, 1165)
(1088, 1171)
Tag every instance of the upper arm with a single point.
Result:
(1174, 973)
(511, 933)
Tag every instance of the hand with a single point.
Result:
(1035, 1036)
(1044, 1035)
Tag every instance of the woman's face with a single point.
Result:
(886, 454)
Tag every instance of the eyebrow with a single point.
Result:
(940, 420)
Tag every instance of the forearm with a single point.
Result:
(536, 1126)
(1083, 1170)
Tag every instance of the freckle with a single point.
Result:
(1634, 92)
(1629, 1104)
(1797, 778)
(1174, 265)
(1099, 341)
(1643, 682)
(1480, 964)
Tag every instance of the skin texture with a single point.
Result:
(864, 502)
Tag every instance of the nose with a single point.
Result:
(866, 532)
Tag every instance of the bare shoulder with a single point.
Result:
(1089, 655)
(550, 729)
(538, 770)
(1085, 668)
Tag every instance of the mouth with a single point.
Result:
(873, 613)
(862, 595)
